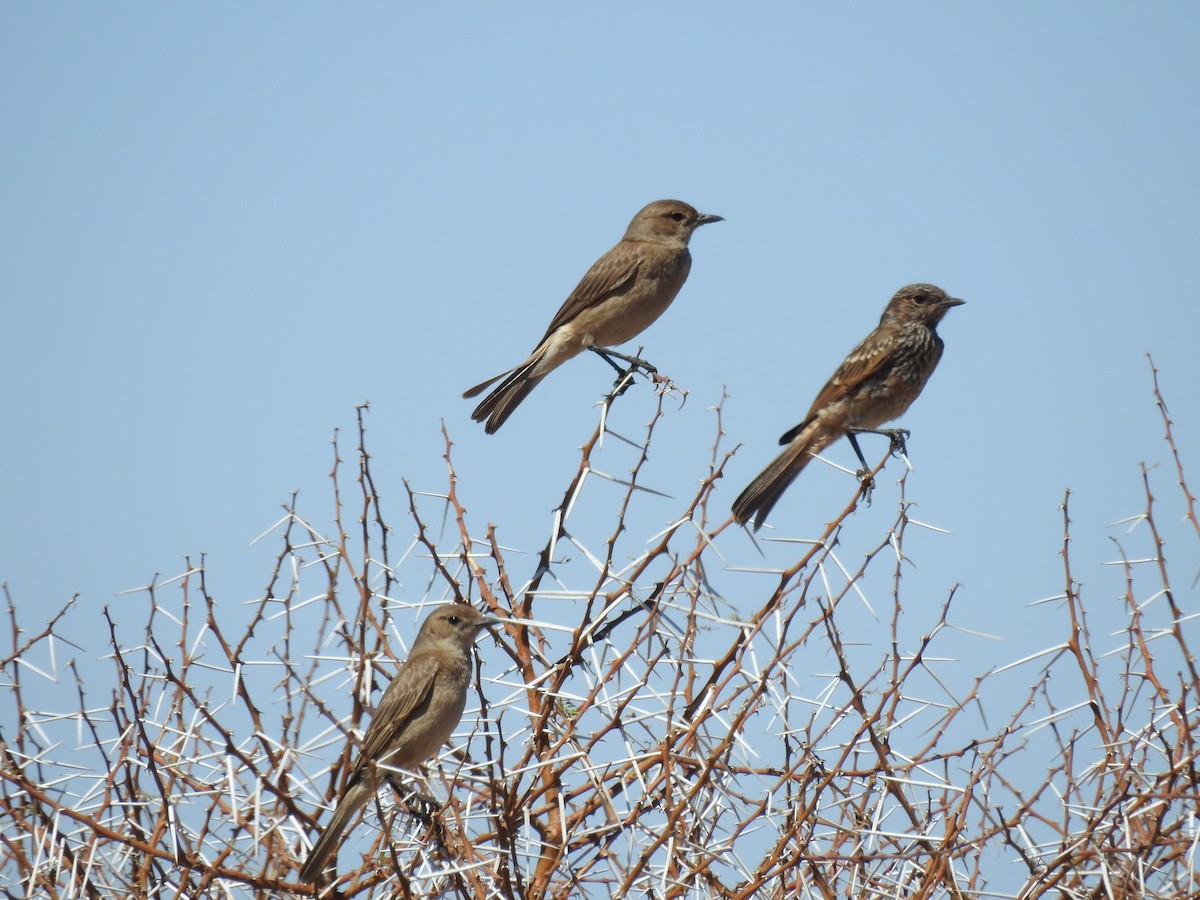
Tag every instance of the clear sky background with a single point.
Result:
(224, 226)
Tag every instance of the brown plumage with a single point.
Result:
(419, 711)
(623, 292)
(876, 383)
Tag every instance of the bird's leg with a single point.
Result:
(852, 433)
(420, 806)
(866, 482)
(635, 364)
(606, 355)
(897, 436)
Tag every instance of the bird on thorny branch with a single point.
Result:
(419, 711)
(623, 292)
(876, 383)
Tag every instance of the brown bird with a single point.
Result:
(623, 292)
(876, 383)
(419, 711)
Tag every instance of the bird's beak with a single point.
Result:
(706, 218)
(952, 301)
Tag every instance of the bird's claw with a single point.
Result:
(625, 376)
(422, 806)
(866, 484)
(898, 437)
(633, 365)
(622, 382)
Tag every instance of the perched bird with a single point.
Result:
(419, 711)
(876, 383)
(623, 292)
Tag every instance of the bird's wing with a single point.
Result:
(609, 275)
(860, 364)
(411, 687)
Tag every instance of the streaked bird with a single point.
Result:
(876, 383)
(419, 711)
(623, 292)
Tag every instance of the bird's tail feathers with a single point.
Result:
(356, 795)
(760, 497)
(497, 406)
(788, 436)
(479, 388)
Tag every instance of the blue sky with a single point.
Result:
(224, 226)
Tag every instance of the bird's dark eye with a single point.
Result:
(921, 299)
(453, 620)
(678, 216)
